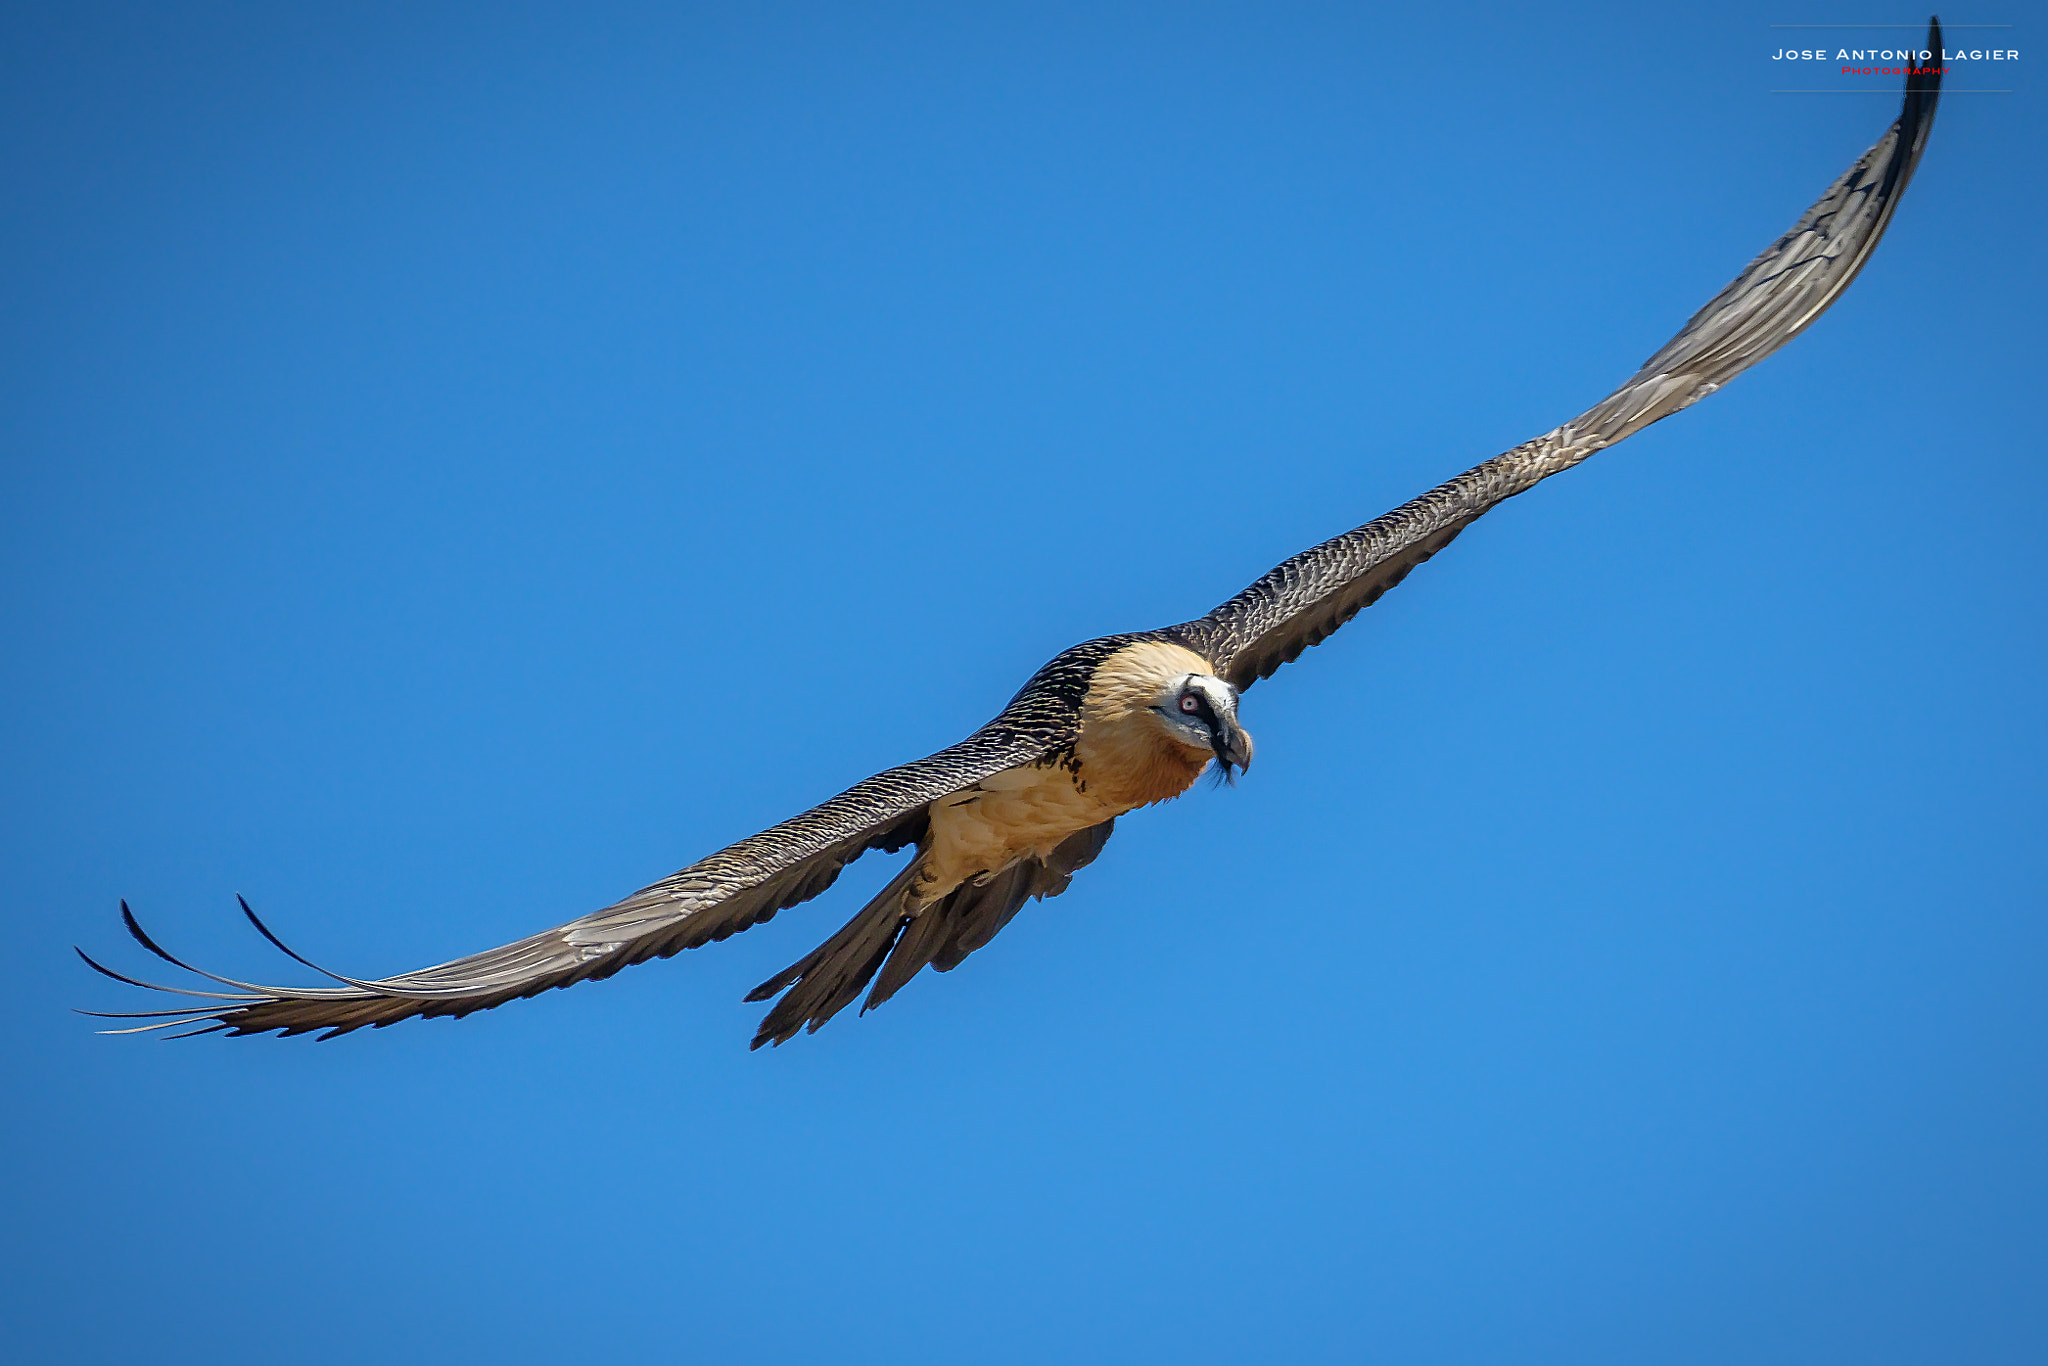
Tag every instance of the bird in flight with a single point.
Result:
(1013, 811)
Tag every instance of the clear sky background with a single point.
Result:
(462, 463)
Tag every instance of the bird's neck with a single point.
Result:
(1127, 757)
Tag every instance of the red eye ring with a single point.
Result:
(1189, 704)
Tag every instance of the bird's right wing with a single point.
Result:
(738, 887)
(1302, 602)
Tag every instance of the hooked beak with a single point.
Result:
(1233, 745)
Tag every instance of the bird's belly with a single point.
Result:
(1003, 818)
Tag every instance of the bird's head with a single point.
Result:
(1200, 712)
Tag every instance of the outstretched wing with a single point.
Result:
(733, 889)
(1305, 600)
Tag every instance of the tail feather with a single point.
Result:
(935, 931)
(824, 981)
(889, 938)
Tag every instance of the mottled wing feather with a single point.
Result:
(718, 896)
(1301, 602)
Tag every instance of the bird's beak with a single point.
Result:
(1233, 745)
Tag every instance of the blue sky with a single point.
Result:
(461, 464)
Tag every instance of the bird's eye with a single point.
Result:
(1189, 704)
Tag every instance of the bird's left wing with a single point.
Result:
(737, 887)
(1302, 602)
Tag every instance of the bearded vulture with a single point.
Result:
(1014, 810)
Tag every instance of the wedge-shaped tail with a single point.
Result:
(890, 937)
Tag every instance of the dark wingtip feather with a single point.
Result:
(373, 988)
(286, 949)
(100, 967)
(1923, 92)
(142, 937)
